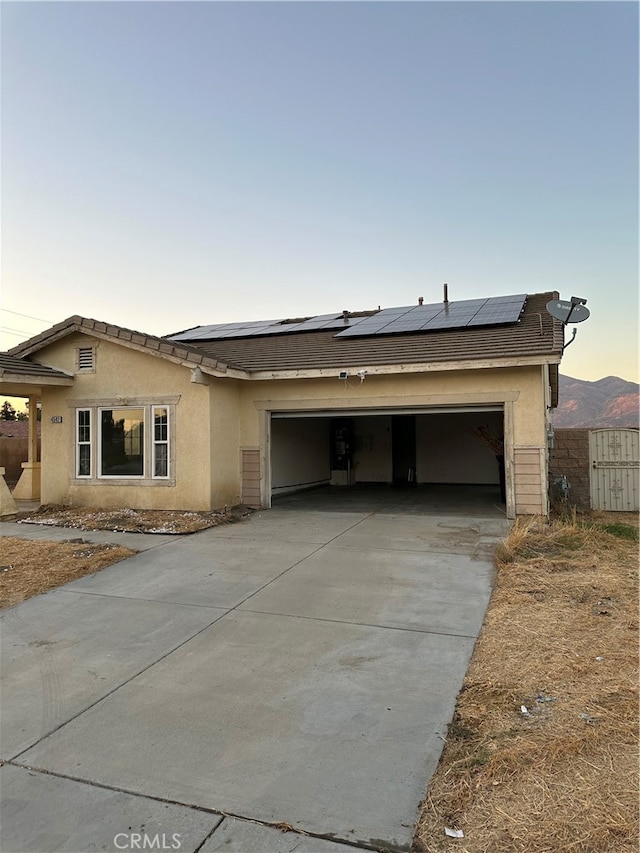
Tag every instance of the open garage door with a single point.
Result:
(417, 446)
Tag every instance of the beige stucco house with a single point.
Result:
(243, 412)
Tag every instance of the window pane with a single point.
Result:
(122, 441)
(83, 440)
(84, 460)
(160, 424)
(84, 428)
(161, 466)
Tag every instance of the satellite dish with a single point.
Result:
(568, 312)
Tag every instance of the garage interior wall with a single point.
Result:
(372, 457)
(447, 451)
(299, 453)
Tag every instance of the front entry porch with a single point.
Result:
(22, 378)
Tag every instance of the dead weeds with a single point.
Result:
(542, 754)
(30, 568)
(125, 520)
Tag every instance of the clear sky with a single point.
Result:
(167, 165)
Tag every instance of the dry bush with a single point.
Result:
(560, 638)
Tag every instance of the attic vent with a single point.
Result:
(86, 358)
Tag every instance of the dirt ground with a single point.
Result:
(30, 568)
(542, 753)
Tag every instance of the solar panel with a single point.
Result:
(373, 324)
(389, 320)
(253, 328)
(496, 310)
(499, 310)
(223, 330)
(323, 321)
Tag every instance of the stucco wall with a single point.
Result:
(124, 376)
(520, 389)
(224, 453)
(407, 389)
(214, 422)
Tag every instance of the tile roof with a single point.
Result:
(10, 365)
(536, 334)
(156, 345)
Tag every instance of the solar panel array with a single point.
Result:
(322, 322)
(496, 310)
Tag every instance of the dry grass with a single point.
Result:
(561, 639)
(30, 568)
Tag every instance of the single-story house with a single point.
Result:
(446, 393)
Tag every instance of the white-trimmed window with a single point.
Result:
(83, 443)
(116, 442)
(160, 467)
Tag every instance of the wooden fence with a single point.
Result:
(13, 452)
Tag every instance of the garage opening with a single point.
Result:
(399, 448)
(403, 448)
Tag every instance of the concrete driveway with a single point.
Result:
(299, 668)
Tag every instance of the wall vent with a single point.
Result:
(86, 358)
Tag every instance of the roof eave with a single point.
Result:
(176, 352)
(33, 379)
(13, 385)
(409, 367)
(38, 342)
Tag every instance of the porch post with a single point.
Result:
(33, 430)
(28, 487)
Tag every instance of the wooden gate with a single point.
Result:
(614, 461)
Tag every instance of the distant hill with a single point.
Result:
(608, 402)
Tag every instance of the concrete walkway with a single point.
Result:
(297, 669)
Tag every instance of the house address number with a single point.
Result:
(56, 419)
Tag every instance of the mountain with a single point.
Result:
(608, 402)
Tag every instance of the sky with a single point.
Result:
(173, 164)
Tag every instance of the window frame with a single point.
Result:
(84, 443)
(149, 406)
(155, 443)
